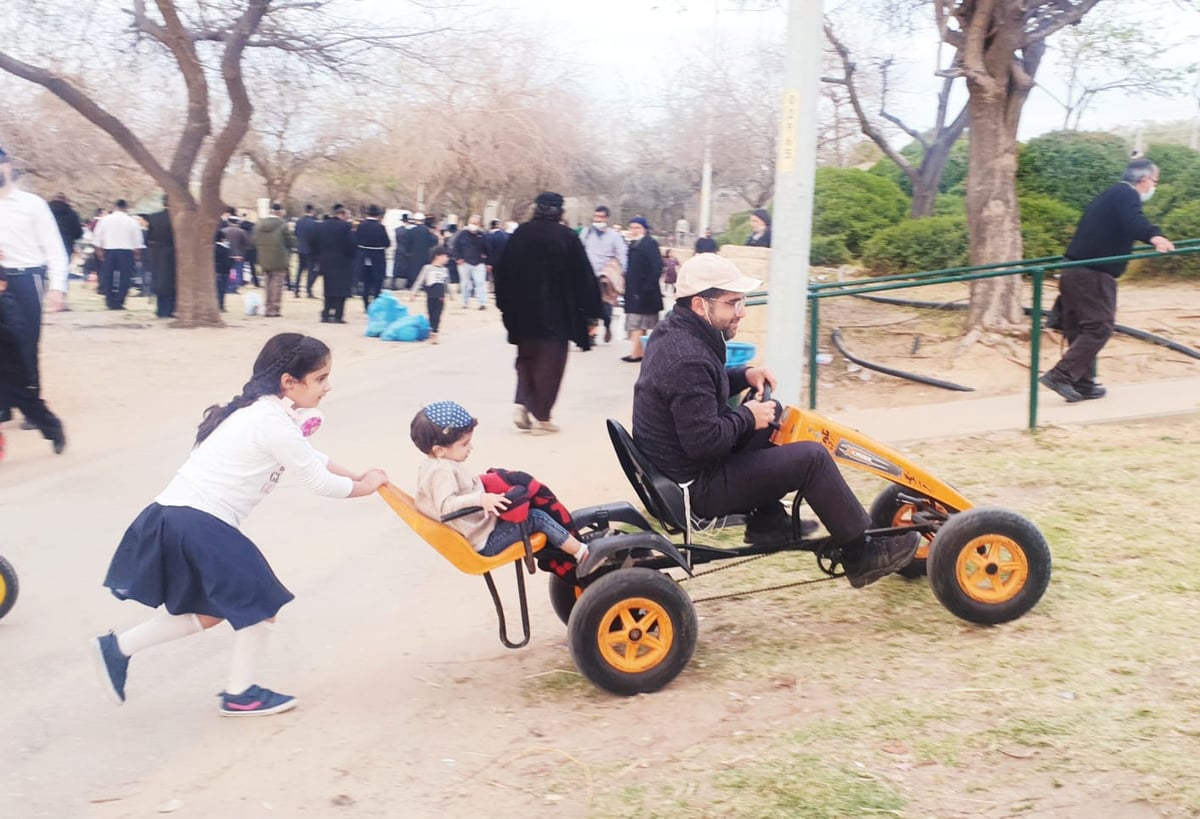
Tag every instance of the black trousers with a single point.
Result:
(1089, 316)
(164, 305)
(116, 276)
(335, 307)
(31, 405)
(540, 367)
(760, 473)
(435, 301)
(26, 289)
(369, 266)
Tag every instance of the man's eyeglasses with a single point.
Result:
(738, 305)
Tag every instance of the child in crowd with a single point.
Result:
(184, 551)
(18, 363)
(434, 278)
(443, 431)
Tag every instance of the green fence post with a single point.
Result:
(1035, 345)
(814, 336)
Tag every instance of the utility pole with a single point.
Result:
(706, 187)
(795, 166)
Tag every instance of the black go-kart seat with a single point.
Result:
(663, 498)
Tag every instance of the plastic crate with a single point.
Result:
(738, 353)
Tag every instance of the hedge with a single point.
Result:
(933, 243)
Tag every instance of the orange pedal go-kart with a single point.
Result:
(631, 626)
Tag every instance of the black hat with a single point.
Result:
(373, 210)
(761, 213)
(549, 199)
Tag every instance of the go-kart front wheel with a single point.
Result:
(8, 587)
(989, 565)
(632, 631)
(888, 510)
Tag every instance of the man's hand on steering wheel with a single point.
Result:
(763, 411)
(756, 377)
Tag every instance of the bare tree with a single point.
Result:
(203, 44)
(1099, 56)
(925, 176)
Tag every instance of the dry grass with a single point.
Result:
(891, 706)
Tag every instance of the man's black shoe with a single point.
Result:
(59, 440)
(1089, 389)
(880, 557)
(1062, 385)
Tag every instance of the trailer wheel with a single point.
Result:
(8, 587)
(563, 594)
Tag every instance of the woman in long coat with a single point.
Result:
(643, 294)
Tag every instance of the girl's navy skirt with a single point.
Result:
(194, 563)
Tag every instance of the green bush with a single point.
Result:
(933, 243)
(948, 204)
(1070, 166)
(828, 251)
(738, 231)
(1047, 225)
(1183, 222)
(855, 204)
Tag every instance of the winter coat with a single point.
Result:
(545, 287)
(643, 296)
(333, 245)
(160, 252)
(275, 243)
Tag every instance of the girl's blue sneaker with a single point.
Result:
(255, 701)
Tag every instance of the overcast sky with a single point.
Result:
(625, 49)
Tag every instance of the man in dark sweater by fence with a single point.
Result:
(1109, 227)
(683, 423)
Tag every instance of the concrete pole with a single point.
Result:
(706, 188)
(791, 223)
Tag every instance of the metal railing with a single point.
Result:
(1035, 267)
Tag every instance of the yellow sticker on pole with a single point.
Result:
(789, 124)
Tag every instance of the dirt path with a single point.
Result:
(410, 707)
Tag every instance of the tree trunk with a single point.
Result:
(923, 198)
(195, 280)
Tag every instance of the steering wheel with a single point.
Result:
(766, 396)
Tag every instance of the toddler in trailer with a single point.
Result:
(433, 277)
(184, 552)
(443, 431)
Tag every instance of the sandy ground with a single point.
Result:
(409, 705)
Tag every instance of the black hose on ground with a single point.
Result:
(836, 338)
(1132, 332)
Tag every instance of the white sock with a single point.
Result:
(581, 555)
(249, 645)
(162, 628)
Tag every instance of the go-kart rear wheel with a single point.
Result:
(633, 631)
(8, 587)
(563, 594)
(989, 565)
(889, 510)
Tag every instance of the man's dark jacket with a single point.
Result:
(706, 244)
(545, 286)
(160, 252)
(643, 294)
(306, 227)
(69, 226)
(418, 241)
(333, 244)
(470, 246)
(372, 234)
(1109, 227)
(682, 420)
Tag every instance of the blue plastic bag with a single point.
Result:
(384, 310)
(407, 328)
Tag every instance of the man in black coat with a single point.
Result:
(333, 246)
(400, 255)
(69, 226)
(548, 296)
(306, 226)
(419, 240)
(1109, 227)
(372, 242)
(160, 257)
(706, 243)
(496, 240)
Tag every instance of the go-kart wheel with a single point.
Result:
(633, 631)
(989, 565)
(8, 587)
(888, 510)
(563, 594)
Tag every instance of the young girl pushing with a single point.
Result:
(443, 431)
(184, 552)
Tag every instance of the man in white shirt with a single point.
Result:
(33, 258)
(609, 255)
(119, 241)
